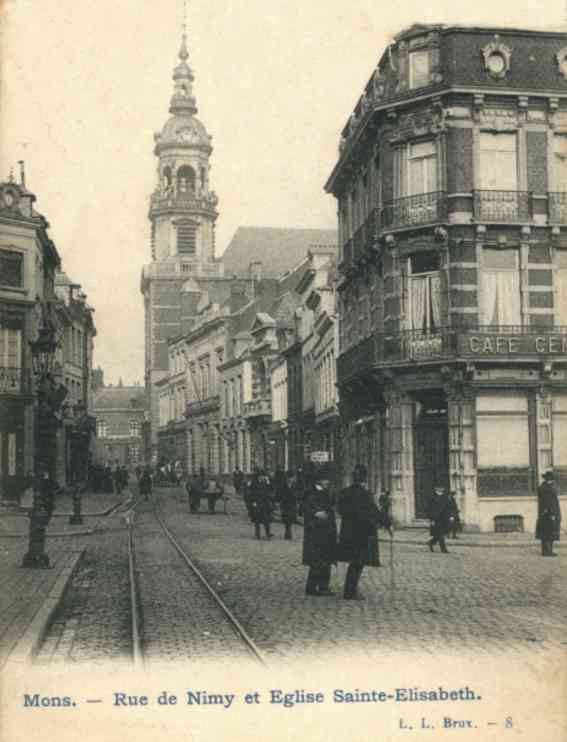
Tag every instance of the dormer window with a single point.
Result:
(419, 68)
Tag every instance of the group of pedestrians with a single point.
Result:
(201, 486)
(356, 543)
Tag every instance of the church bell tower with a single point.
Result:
(182, 213)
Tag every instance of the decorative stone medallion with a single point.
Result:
(497, 58)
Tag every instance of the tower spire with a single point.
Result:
(183, 101)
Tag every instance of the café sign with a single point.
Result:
(489, 344)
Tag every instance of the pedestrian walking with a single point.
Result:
(319, 537)
(439, 513)
(454, 515)
(285, 496)
(385, 512)
(215, 490)
(548, 525)
(196, 488)
(261, 502)
(146, 484)
(237, 480)
(358, 539)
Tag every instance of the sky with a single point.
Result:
(84, 85)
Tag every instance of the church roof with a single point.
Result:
(119, 397)
(278, 249)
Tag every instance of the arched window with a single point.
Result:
(101, 428)
(186, 180)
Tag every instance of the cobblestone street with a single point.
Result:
(490, 600)
(487, 600)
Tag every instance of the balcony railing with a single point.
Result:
(480, 342)
(558, 208)
(503, 206)
(14, 380)
(422, 208)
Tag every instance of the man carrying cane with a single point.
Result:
(358, 539)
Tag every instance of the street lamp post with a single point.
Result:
(49, 398)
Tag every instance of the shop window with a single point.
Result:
(10, 359)
(502, 431)
(560, 431)
(500, 306)
(419, 69)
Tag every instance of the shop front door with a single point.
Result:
(431, 459)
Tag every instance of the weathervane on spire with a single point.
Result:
(183, 53)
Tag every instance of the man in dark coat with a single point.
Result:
(286, 498)
(439, 514)
(358, 539)
(548, 514)
(196, 488)
(319, 538)
(261, 502)
(145, 483)
(237, 480)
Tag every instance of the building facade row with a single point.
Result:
(35, 293)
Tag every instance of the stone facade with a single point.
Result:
(120, 412)
(451, 186)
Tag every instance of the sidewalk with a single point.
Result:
(29, 597)
(14, 521)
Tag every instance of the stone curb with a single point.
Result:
(23, 513)
(28, 643)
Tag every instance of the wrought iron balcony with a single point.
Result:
(503, 207)
(14, 380)
(423, 208)
(558, 208)
(475, 343)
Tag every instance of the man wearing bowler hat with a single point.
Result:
(548, 514)
(439, 514)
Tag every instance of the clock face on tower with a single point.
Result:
(187, 135)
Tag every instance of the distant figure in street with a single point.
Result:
(319, 538)
(385, 509)
(237, 480)
(439, 513)
(548, 514)
(145, 483)
(454, 515)
(358, 539)
(214, 491)
(285, 496)
(107, 480)
(260, 502)
(117, 478)
(196, 488)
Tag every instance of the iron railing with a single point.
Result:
(423, 208)
(448, 342)
(503, 206)
(558, 208)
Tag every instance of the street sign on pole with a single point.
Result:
(319, 457)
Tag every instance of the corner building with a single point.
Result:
(451, 185)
